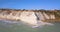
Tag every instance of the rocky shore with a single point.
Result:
(30, 16)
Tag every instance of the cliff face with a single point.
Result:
(30, 17)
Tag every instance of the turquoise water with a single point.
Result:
(19, 27)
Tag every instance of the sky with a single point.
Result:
(30, 4)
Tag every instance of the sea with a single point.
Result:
(18, 26)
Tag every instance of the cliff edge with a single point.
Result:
(31, 16)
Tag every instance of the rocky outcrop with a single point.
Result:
(30, 17)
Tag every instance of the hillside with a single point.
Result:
(30, 16)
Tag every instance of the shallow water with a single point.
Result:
(20, 27)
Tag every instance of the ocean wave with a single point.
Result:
(39, 24)
(42, 24)
(8, 21)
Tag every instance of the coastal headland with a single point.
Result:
(30, 16)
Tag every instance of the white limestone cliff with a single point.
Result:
(46, 16)
(30, 17)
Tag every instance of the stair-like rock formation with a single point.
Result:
(30, 17)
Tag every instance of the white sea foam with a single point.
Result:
(9, 21)
(41, 24)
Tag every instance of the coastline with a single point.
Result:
(30, 16)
